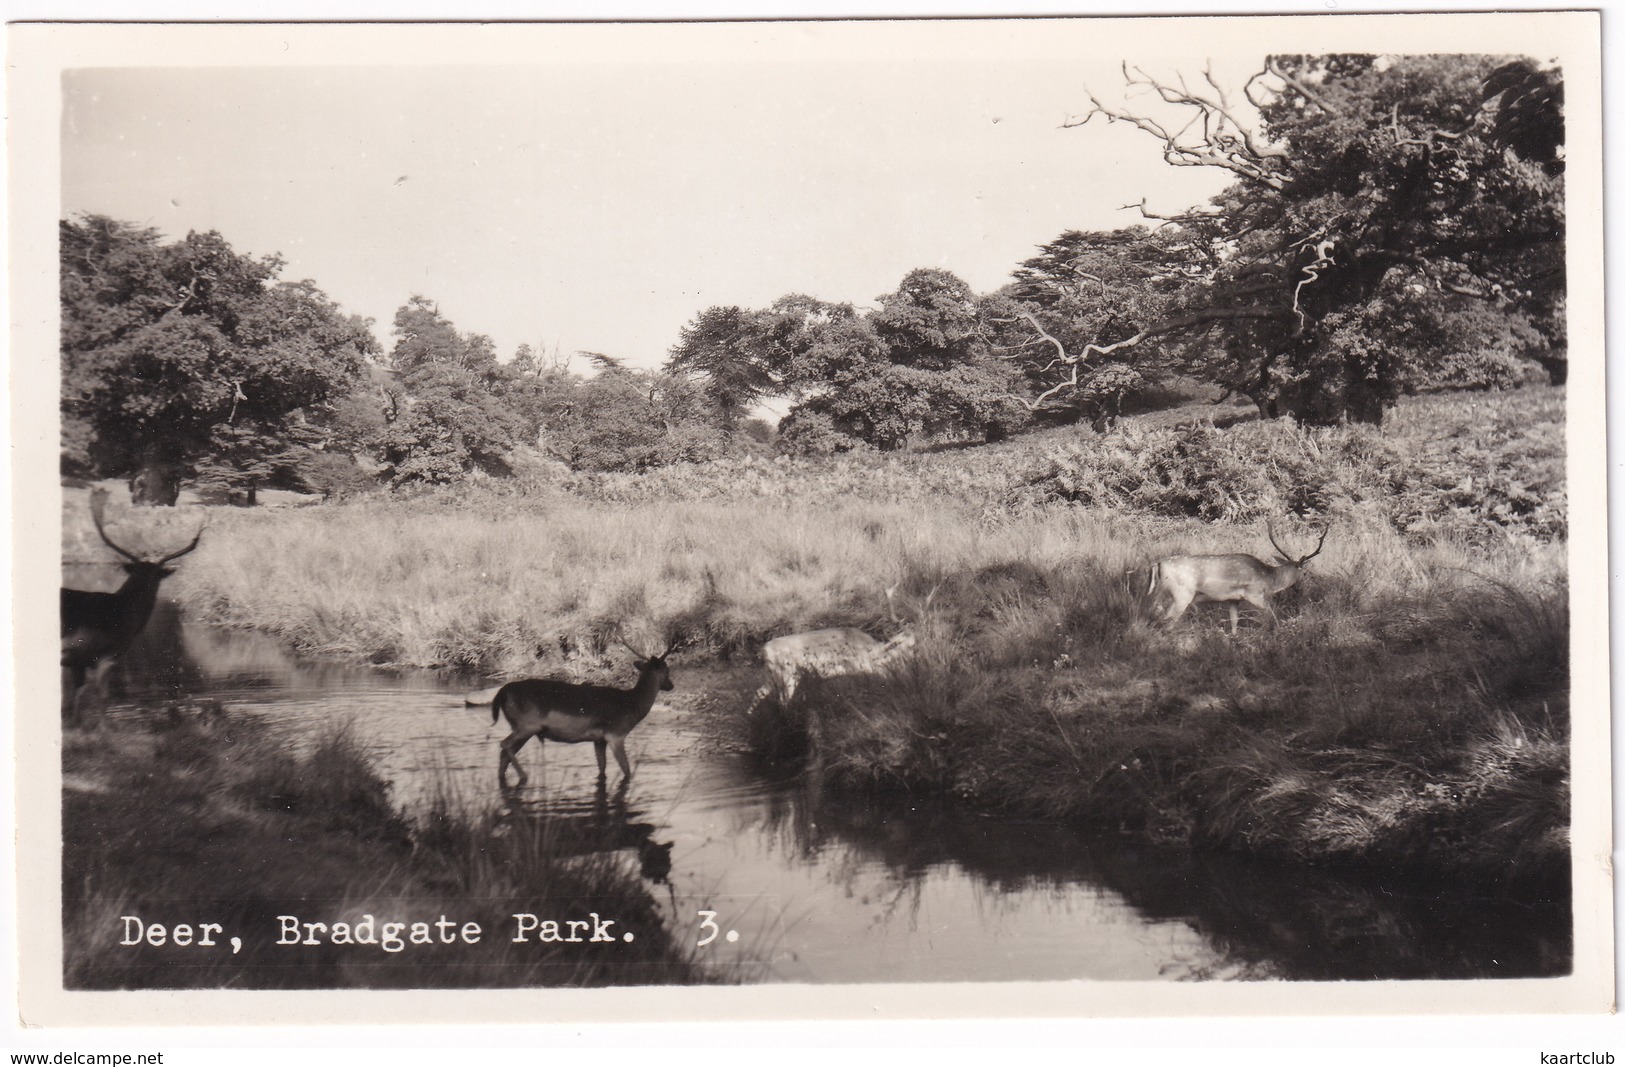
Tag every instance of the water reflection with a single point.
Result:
(571, 826)
(1260, 919)
(825, 888)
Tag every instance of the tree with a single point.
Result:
(920, 363)
(1083, 286)
(727, 348)
(625, 419)
(1365, 188)
(170, 352)
(451, 419)
(934, 342)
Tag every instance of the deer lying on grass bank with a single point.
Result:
(830, 653)
(98, 627)
(573, 712)
(1228, 578)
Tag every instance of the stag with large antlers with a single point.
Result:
(573, 712)
(98, 627)
(1228, 578)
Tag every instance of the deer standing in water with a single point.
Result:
(573, 712)
(98, 627)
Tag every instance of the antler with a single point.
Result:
(98, 508)
(627, 645)
(676, 642)
(98, 505)
(188, 548)
(1270, 526)
(1318, 544)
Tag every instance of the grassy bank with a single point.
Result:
(1413, 722)
(188, 820)
(1411, 708)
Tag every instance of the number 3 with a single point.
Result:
(705, 920)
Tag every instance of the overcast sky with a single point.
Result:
(601, 204)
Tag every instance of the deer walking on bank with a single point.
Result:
(1228, 578)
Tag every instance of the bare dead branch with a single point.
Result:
(1307, 93)
(1224, 141)
(1184, 217)
(1311, 272)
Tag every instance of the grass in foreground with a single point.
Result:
(214, 820)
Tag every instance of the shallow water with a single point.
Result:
(825, 888)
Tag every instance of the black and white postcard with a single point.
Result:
(810, 519)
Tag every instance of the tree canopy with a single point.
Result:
(189, 352)
(1391, 223)
(1378, 203)
(920, 363)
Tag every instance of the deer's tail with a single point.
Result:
(497, 703)
(1156, 578)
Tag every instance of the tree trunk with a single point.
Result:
(157, 482)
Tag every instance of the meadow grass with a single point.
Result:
(1409, 708)
(1410, 705)
(218, 819)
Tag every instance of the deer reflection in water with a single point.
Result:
(606, 824)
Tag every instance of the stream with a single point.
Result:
(822, 887)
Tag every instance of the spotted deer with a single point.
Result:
(830, 653)
(572, 712)
(1228, 578)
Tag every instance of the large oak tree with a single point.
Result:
(181, 353)
(1378, 202)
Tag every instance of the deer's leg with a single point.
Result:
(1232, 618)
(598, 750)
(1177, 606)
(73, 680)
(510, 749)
(1262, 603)
(617, 745)
(96, 682)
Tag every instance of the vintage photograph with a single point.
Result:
(725, 505)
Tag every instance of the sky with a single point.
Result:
(598, 201)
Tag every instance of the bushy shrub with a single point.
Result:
(335, 475)
(813, 433)
(1241, 474)
(1462, 467)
